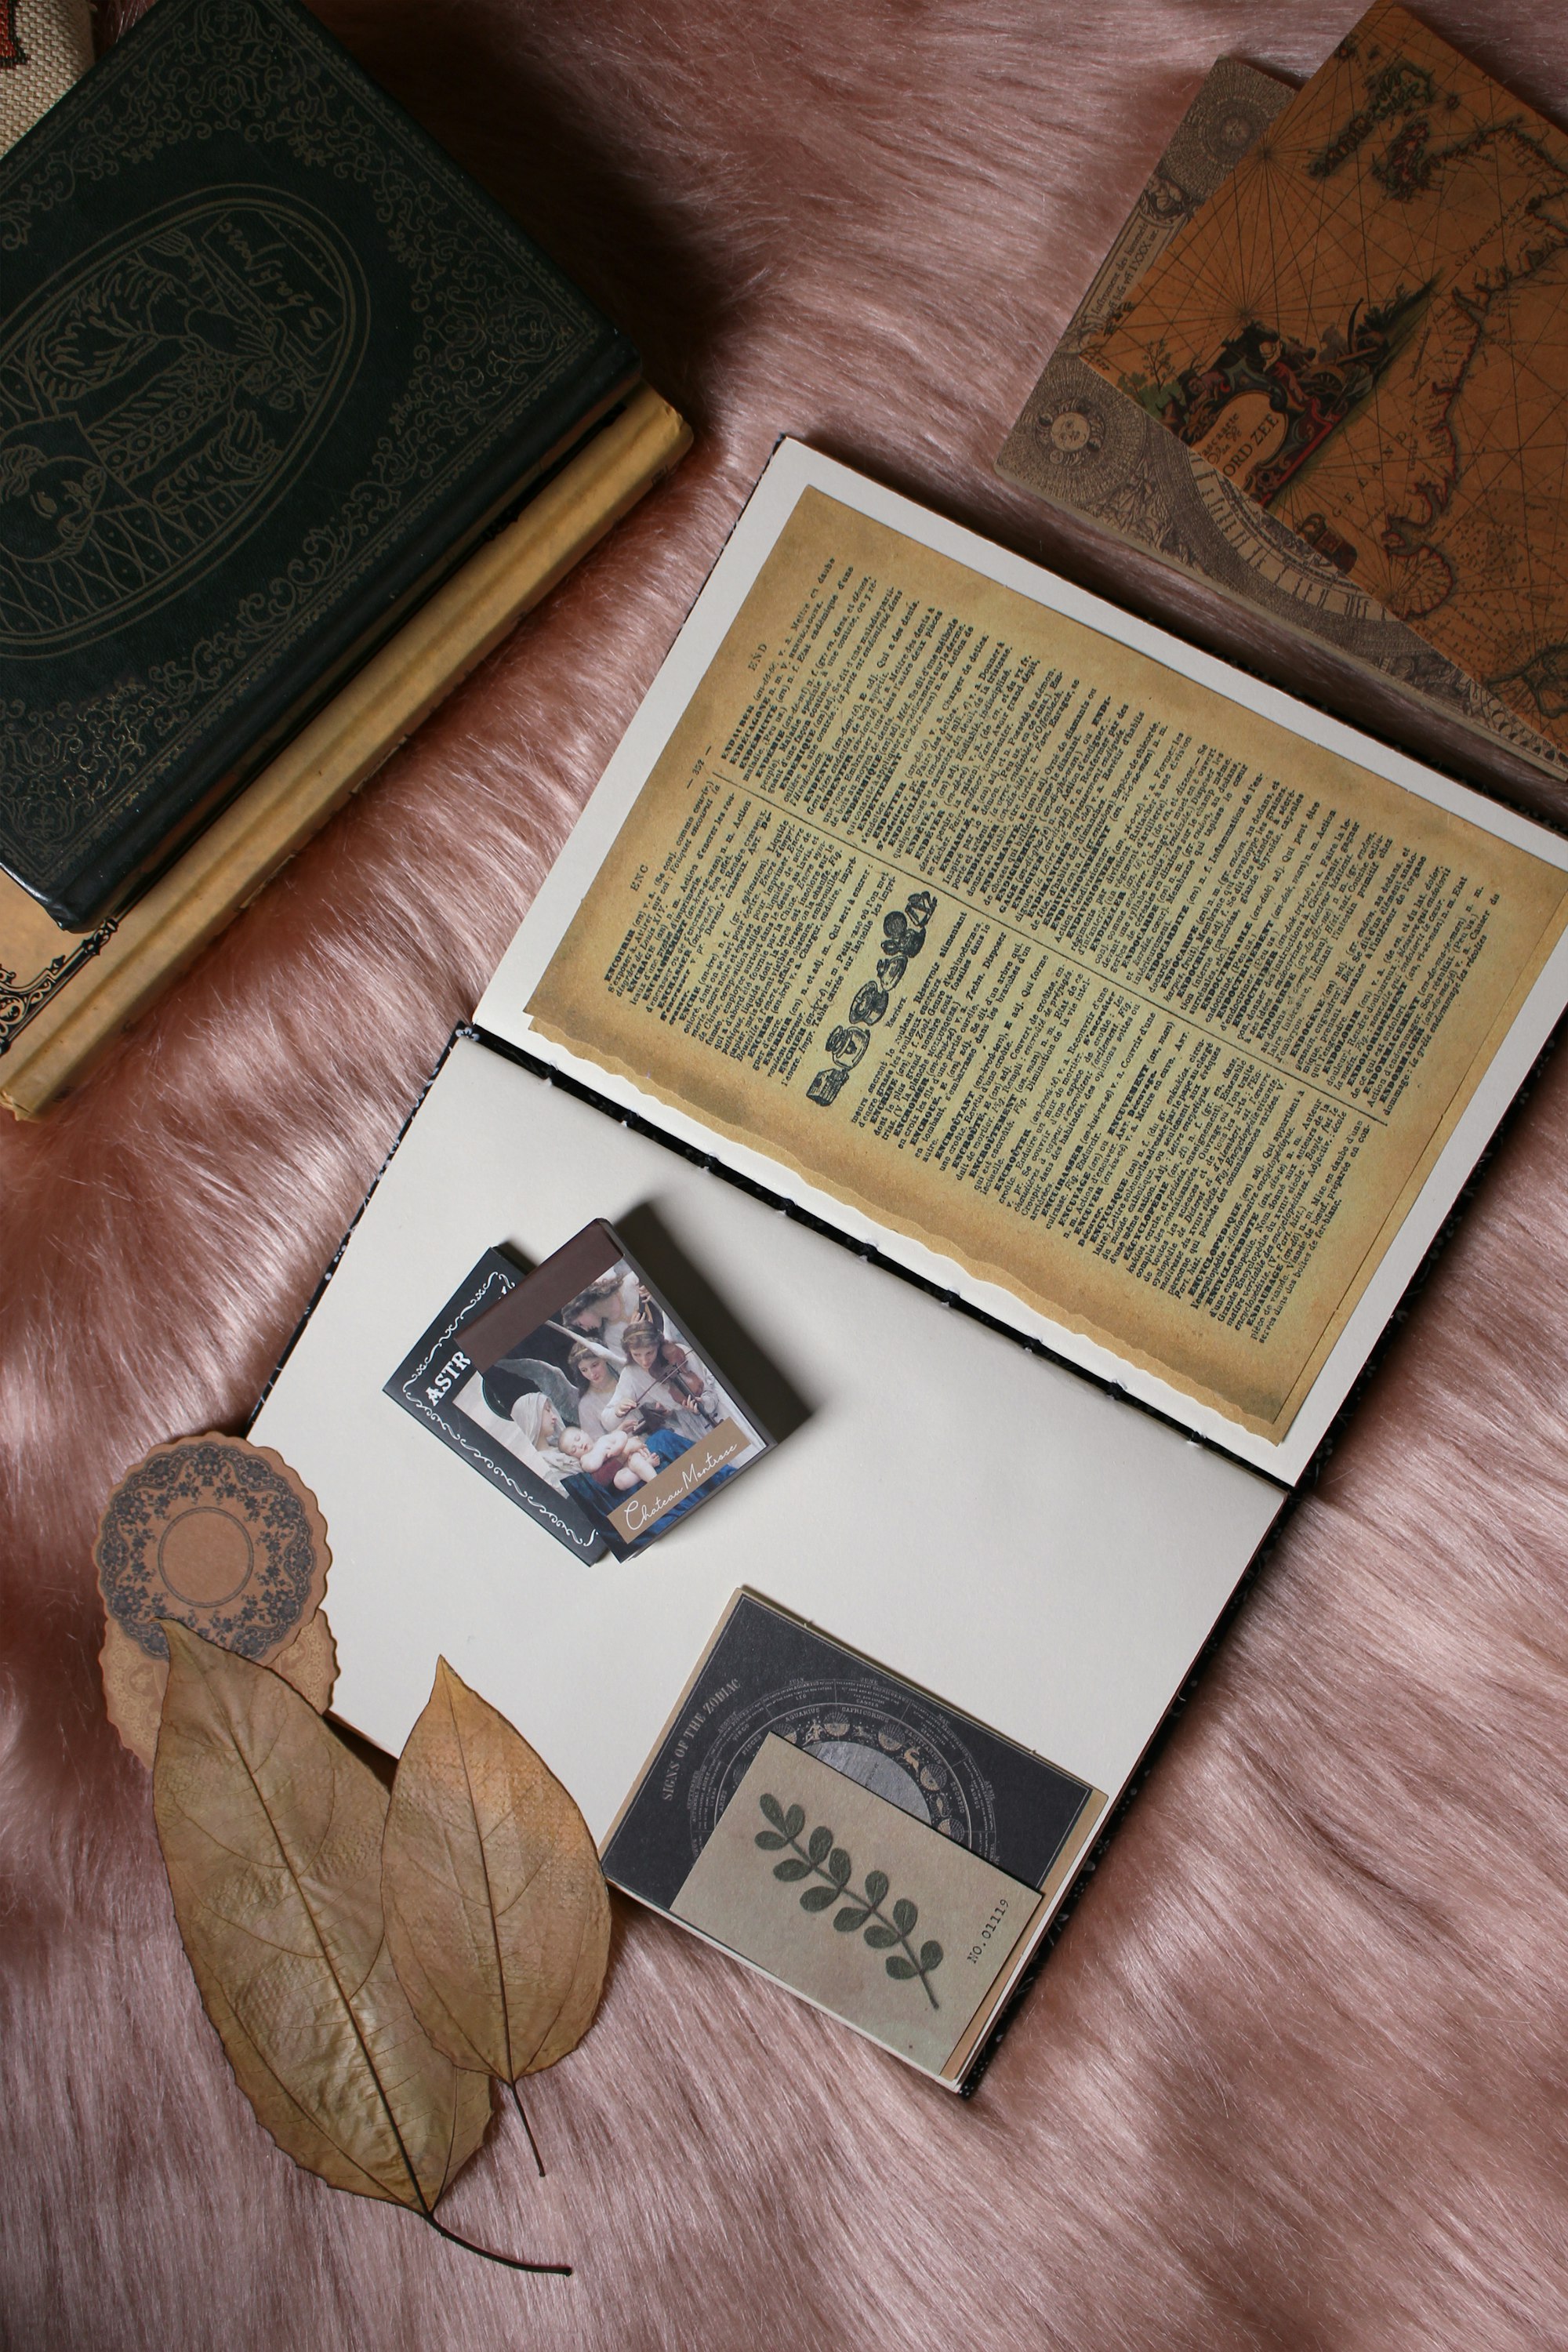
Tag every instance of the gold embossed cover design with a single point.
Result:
(1366, 330)
(63, 1000)
(269, 365)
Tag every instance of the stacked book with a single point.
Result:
(295, 423)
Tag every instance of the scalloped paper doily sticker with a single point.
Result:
(226, 1538)
(219, 1534)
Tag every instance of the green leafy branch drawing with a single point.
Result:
(820, 1858)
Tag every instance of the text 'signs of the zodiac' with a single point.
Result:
(903, 936)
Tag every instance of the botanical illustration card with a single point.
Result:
(1364, 331)
(577, 1391)
(835, 1891)
(876, 1851)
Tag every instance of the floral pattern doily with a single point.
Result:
(219, 1534)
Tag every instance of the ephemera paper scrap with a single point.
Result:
(1138, 1003)
(1365, 329)
(867, 1844)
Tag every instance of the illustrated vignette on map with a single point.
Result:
(1086, 445)
(1218, 315)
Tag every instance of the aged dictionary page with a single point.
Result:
(1131, 999)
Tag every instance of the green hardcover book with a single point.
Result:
(270, 363)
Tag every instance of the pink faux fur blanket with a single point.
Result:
(1295, 2075)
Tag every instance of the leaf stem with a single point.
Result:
(875, 1911)
(510, 2261)
(528, 2127)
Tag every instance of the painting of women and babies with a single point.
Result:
(601, 1399)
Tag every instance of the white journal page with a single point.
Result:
(973, 1518)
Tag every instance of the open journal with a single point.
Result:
(1006, 943)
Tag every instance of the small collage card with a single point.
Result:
(877, 1851)
(577, 1391)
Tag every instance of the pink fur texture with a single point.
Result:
(1296, 2075)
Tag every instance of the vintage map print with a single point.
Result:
(1083, 445)
(1365, 330)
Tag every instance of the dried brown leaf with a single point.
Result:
(310, 1664)
(496, 1910)
(133, 1682)
(271, 1832)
